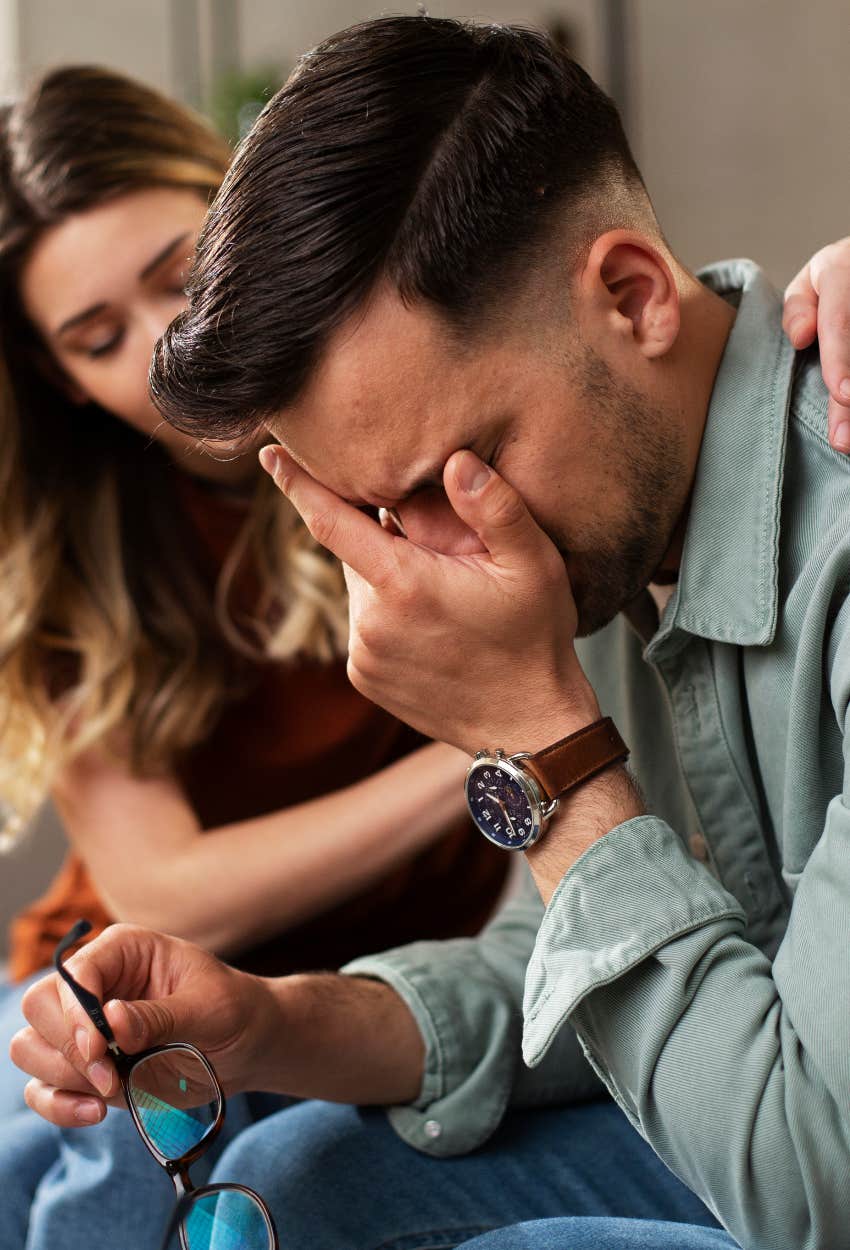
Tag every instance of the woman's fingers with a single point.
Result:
(817, 303)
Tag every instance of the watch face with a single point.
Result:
(501, 805)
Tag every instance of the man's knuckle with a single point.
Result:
(19, 1047)
(324, 526)
(69, 1052)
(506, 509)
(33, 999)
(371, 635)
(163, 1019)
(356, 676)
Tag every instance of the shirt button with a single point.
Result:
(433, 1129)
(698, 847)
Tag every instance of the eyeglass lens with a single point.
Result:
(227, 1220)
(175, 1099)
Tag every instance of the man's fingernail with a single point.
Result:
(83, 1039)
(472, 473)
(844, 388)
(100, 1076)
(268, 459)
(87, 1111)
(841, 437)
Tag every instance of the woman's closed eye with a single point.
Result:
(105, 346)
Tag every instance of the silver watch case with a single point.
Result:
(542, 808)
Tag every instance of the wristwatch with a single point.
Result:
(512, 798)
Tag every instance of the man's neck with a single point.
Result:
(706, 322)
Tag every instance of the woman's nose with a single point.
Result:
(428, 519)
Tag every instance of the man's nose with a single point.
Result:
(428, 519)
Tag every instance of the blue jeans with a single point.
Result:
(75, 1188)
(559, 1179)
(12, 1080)
(603, 1233)
(575, 1178)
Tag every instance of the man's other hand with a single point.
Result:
(156, 989)
(817, 305)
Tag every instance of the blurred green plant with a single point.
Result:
(238, 97)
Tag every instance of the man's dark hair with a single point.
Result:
(431, 154)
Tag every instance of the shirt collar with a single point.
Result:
(728, 579)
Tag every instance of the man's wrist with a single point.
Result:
(267, 1002)
(562, 717)
(335, 1037)
(585, 815)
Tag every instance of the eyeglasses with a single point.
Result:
(177, 1104)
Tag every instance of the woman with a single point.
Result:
(172, 639)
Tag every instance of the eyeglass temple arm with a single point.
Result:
(88, 1001)
(180, 1209)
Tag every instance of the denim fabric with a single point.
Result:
(339, 1178)
(72, 1189)
(12, 1079)
(602, 1234)
(28, 1148)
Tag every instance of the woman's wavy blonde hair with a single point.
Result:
(106, 625)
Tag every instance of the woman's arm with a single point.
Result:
(231, 887)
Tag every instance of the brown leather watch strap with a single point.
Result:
(567, 763)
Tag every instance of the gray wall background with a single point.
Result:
(738, 114)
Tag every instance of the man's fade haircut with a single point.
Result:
(429, 153)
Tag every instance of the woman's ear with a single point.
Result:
(630, 286)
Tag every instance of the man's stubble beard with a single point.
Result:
(643, 451)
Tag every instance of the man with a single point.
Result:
(435, 273)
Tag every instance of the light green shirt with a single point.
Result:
(699, 957)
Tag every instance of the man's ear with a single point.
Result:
(631, 287)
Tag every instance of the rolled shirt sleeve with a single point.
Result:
(466, 997)
(736, 1071)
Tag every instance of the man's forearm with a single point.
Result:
(340, 1038)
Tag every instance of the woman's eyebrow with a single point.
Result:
(163, 255)
(95, 309)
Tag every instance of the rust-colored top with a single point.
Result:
(301, 731)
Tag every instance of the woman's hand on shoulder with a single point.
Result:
(817, 305)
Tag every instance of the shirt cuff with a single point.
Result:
(631, 892)
(471, 1045)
